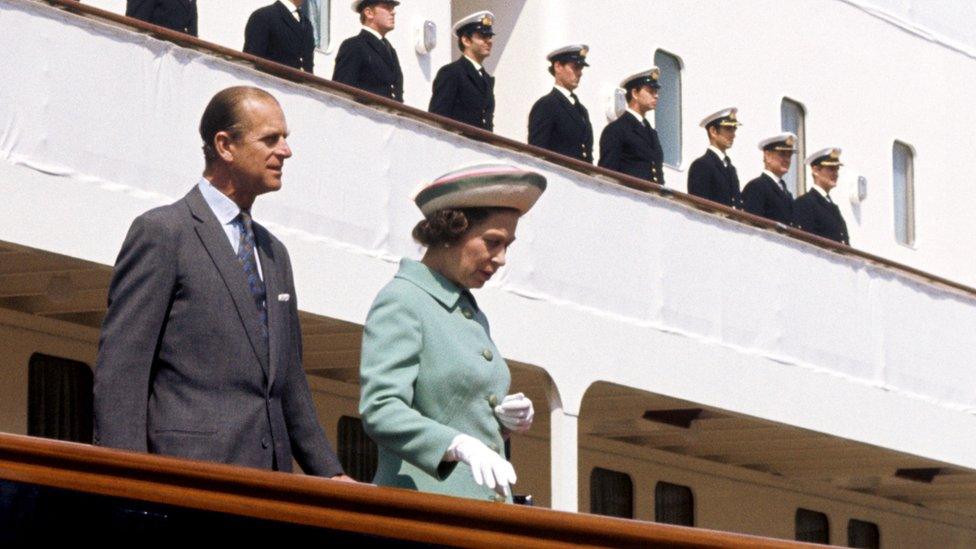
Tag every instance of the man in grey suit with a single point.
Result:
(200, 352)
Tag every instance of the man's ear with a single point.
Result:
(222, 145)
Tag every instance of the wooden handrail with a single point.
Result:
(323, 503)
(479, 134)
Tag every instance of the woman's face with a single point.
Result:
(481, 251)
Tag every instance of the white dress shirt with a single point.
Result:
(639, 117)
(226, 211)
(293, 9)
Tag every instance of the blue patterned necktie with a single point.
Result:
(245, 254)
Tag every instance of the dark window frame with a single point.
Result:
(674, 504)
(60, 398)
(811, 526)
(608, 499)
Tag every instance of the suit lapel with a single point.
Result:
(639, 129)
(289, 19)
(214, 240)
(474, 75)
(378, 47)
(273, 286)
(568, 106)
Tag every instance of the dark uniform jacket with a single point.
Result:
(462, 93)
(814, 214)
(708, 177)
(273, 33)
(764, 196)
(628, 147)
(365, 62)
(555, 123)
(178, 15)
(183, 367)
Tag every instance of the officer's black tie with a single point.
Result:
(577, 104)
(389, 47)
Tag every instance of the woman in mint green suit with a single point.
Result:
(433, 385)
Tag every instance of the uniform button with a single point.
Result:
(264, 443)
(467, 312)
(493, 446)
(493, 400)
(498, 498)
(487, 354)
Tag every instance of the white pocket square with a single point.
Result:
(284, 297)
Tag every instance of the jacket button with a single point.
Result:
(498, 498)
(264, 443)
(493, 401)
(467, 313)
(487, 354)
(493, 446)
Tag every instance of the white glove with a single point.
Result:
(515, 413)
(487, 467)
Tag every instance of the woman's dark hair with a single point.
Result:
(447, 226)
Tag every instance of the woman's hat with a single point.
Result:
(483, 186)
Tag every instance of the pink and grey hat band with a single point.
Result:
(485, 186)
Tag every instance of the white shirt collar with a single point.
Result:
(772, 176)
(222, 206)
(638, 116)
(292, 9)
(373, 31)
(817, 188)
(564, 91)
(477, 65)
(716, 150)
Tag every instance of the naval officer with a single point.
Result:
(712, 175)
(815, 212)
(368, 61)
(558, 121)
(280, 33)
(630, 144)
(463, 90)
(767, 194)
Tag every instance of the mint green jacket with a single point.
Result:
(428, 372)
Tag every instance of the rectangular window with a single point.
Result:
(793, 117)
(674, 504)
(903, 170)
(59, 398)
(611, 493)
(812, 526)
(357, 452)
(863, 534)
(319, 14)
(667, 114)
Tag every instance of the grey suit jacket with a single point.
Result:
(182, 367)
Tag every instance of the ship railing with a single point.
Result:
(51, 490)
